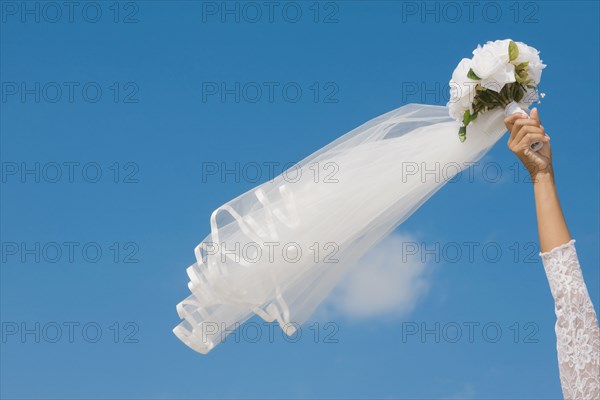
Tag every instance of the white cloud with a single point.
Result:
(384, 282)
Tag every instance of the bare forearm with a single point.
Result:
(552, 226)
(524, 131)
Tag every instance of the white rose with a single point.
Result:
(491, 64)
(457, 109)
(531, 55)
(462, 90)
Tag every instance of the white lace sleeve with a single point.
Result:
(577, 332)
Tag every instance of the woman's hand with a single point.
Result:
(523, 132)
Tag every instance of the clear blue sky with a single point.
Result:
(156, 123)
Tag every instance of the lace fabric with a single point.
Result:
(577, 331)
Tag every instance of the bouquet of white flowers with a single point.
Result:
(502, 74)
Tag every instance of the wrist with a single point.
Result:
(543, 178)
(544, 175)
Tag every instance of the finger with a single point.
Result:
(510, 122)
(525, 122)
(524, 146)
(518, 125)
(535, 115)
(531, 138)
(513, 117)
(527, 129)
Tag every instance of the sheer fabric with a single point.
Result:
(577, 331)
(380, 180)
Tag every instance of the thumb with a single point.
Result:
(535, 115)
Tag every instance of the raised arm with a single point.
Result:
(577, 331)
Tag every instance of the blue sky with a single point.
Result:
(129, 146)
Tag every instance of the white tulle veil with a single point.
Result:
(279, 249)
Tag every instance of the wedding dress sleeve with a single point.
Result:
(577, 331)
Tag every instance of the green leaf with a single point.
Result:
(473, 75)
(513, 51)
(466, 118)
(522, 65)
(462, 134)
